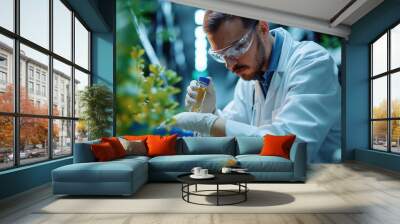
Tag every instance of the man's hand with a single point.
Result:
(200, 122)
(209, 100)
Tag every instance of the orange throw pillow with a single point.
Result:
(277, 145)
(116, 145)
(135, 137)
(103, 151)
(161, 145)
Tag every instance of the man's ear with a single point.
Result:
(264, 27)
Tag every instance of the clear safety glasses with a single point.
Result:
(234, 50)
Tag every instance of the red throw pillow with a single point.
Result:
(277, 145)
(103, 151)
(161, 145)
(135, 137)
(116, 145)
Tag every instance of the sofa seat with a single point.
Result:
(257, 163)
(167, 168)
(118, 177)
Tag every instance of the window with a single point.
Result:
(37, 74)
(62, 30)
(46, 74)
(6, 142)
(3, 61)
(30, 72)
(385, 94)
(44, 91)
(34, 21)
(6, 73)
(81, 45)
(30, 87)
(38, 89)
(62, 140)
(62, 75)
(3, 78)
(7, 14)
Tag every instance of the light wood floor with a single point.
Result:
(378, 188)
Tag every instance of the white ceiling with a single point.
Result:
(326, 16)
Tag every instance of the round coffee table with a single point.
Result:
(238, 179)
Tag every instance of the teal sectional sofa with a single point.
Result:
(125, 176)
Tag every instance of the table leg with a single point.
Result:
(217, 194)
(245, 193)
(196, 188)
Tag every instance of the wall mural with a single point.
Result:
(162, 47)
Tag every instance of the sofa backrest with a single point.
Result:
(248, 145)
(83, 153)
(206, 145)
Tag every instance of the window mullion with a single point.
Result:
(16, 70)
(389, 76)
(50, 81)
(73, 83)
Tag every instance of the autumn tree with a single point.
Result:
(380, 127)
(33, 131)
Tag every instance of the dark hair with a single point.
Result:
(212, 21)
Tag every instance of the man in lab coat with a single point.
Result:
(285, 87)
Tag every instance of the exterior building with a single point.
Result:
(34, 79)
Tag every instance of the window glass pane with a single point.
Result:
(395, 47)
(33, 139)
(395, 136)
(62, 138)
(7, 14)
(81, 131)
(81, 81)
(81, 45)
(395, 94)
(6, 142)
(35, 21)
(6, 74)
(379, 97)
(62, 29)
(34, 96)
(62, 89)
(379, 55)
(379, 135)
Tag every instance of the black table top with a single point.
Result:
(220, 178)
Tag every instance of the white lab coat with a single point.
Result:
(303, 99)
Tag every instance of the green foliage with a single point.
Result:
(145, 98)
(329, 41)
(96, 102)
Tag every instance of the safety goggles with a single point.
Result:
(235, 50)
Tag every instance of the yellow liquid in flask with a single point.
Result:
(201, 93)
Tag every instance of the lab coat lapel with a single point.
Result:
(270, 106)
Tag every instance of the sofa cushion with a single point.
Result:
(116, 145)
(161, 145)
(134, 147)
(103, 152)
(112, 171)
(249, 145)
(206, 145)
(257, 163)
(185, 163)
(277, 145)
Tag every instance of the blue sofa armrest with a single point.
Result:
(83, 153)
(298, 155)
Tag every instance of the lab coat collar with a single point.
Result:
(287, 41)
(275, 54)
